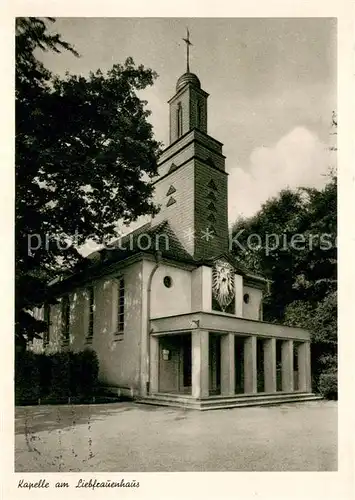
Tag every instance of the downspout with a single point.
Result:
(158, 256)
(261, 308)
(264, 293)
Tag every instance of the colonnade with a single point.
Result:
(200, 364)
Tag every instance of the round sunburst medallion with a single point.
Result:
(223, 283)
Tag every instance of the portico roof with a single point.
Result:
(223, 323)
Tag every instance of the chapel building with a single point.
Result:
(173, 318)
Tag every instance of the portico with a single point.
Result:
(247, 364)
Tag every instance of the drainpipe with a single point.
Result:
(158, 256)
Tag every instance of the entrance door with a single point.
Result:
(214, 363)
(169, 363)
(186, 361)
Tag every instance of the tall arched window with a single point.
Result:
(91, 296)
(179, 119)
(65, 319)
(199, 114)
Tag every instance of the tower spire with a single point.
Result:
(188, 43)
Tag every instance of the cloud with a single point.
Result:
(298, 159)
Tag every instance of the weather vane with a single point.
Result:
(188, 43)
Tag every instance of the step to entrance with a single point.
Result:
(221, 403)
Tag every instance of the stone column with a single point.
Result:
(250, 376)
(287, 365)
(154, 365)
(200, 363)
(270, 365)
(304, 367)
(227, 365)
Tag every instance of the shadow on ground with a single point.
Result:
(50, 417)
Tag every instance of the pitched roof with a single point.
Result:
(146, 239)
(149, 239)
(161, 237)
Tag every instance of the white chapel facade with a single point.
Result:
(172, 317)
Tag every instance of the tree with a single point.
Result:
(85, 155)
(298, 253)
(321, 320)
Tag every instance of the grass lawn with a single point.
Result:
(124, 437)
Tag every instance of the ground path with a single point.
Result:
(128, 437)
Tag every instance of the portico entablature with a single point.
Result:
(223, 323)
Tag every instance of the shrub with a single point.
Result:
(60, 381)
(328, 385)
(44, 364)
(74, 374)
(55, 377)
(88, 373)
(27, 378)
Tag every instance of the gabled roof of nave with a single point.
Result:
(94, 265)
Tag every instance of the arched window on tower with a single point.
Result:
(179, 120)
(199, 114)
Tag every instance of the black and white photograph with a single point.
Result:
(175, 248)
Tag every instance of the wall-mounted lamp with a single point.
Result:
(166, 354)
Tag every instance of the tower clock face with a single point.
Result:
(223, 284)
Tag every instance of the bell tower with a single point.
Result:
(192, 185)
(188, 107)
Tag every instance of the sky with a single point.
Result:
(272, 85)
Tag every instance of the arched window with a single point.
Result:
(91, 296)
(179, 119)
(199, 114)
(65, 319)
(47, 320)
(120, 306)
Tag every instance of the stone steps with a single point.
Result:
(220, 402)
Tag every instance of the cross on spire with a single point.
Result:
(188, 43)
